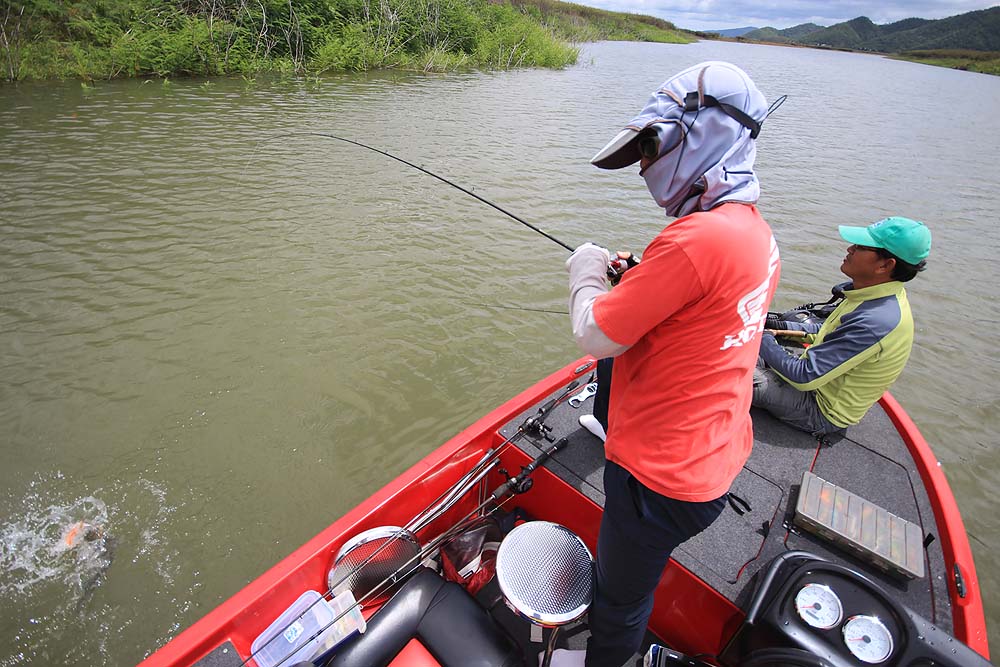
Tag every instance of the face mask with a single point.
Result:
(667, 188)
(711, 163)
(665, 178)
(698, 129)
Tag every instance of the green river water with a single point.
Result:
(218, 333)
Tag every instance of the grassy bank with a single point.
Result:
(986, 62)
(100, 39)
(578, 23)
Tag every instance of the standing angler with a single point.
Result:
(684, 329)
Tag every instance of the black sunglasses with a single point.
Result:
(650, 141)
(881, 252)
(649, 145)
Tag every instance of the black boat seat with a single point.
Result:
(439, 614)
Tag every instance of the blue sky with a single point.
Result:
(721, 14)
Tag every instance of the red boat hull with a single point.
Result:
(689, 614)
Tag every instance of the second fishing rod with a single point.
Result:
(616, 267)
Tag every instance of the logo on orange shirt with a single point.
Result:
(752, 308)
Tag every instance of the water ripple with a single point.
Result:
(267, 325)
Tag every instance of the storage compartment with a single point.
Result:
(288, 639)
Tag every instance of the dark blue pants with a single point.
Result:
(603, 396)
(639, 530)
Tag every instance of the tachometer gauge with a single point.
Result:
(819, 606)
(868, 639)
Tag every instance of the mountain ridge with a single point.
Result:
(733, 32)
(977, 30)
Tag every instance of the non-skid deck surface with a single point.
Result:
(870, 460)
(224, 655)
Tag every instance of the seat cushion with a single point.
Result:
(414, 655)
(451, 625)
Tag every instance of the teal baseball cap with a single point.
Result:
(907, 239)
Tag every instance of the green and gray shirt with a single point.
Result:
(853, 358)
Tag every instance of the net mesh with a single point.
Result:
(392, 556)
(546, 572)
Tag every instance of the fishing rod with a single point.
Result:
(533, 425)
(445, 180)
(616, 266)
(520, 483)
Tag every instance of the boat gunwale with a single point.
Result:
(292, 574)
(968, 615)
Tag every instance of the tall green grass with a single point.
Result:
(97, 39)
(985, 62)
(580, 23)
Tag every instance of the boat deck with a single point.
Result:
(870, 460)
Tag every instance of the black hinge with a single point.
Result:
(959, 582)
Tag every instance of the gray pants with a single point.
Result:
(795, 408)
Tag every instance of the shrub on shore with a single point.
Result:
(985, 62)
(96, 39)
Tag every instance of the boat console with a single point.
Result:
(808, 606)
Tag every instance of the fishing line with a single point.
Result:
(502, 307)
(445, 180)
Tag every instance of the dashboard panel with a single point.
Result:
(842, 618)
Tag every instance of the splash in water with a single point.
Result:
(62, 582)
(68, 543)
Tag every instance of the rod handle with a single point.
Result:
(789, 333)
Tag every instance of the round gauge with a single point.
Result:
(819, 606)
(868, 639)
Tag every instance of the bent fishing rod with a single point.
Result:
(616, 266)
(445, 180)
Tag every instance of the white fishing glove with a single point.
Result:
(588, 260)
(588, 272)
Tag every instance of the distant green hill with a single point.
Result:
(767, 35)
(978, 31)
(733, 32)
(968, 41)
(848, 35)
(787, 35)
(905, 24)
(802, 29)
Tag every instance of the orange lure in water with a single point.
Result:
(81, 529)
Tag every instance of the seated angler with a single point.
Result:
(862, 347)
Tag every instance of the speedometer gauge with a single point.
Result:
(819, 606)
(868, 639)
